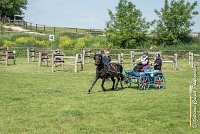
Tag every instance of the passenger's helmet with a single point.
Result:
(157, 55)
(145, 53)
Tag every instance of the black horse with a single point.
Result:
(105, 71)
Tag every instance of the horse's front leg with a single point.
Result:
(102, 84)
(113, 80)
(90, 89)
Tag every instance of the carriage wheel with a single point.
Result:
(144, 83)
(159, 82)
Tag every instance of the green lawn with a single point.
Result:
(33, 100)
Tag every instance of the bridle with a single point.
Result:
(97, 59)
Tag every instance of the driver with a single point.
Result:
(106, 60)
(144, 63)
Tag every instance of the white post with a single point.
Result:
(40, 59)
(33, 55)
(119, 58)
(52, 62)
(175, 61)
(76, 63)
(132, 57)
(192, 59)
(83, 56)
(7, 58)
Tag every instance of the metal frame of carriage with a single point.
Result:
(146, 78)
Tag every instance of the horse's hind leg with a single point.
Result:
(103, 80)
(113, 80)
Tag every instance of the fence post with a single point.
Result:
(40, 59)
(52, 62)
(36, 27)
(33, 55)
(6, 58)
(189, 57)
(54, 30)
(122, 59)
(132, 57)
(175, 61)
(83, 56)
(31, 26)
(28, 55)
(76, 30)
(44, 28)
(1, 28)
(23, 24)
(76, 63)
(63, 64)
(14, 57)
(90, 31)
(192, 59)
(26, 25)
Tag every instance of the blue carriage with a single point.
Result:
(145, 79)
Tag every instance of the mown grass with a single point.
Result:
(33, 100)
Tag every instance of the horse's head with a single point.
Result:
(97, 59)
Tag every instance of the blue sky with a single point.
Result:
(87, 13)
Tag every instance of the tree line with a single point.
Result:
(127, 27)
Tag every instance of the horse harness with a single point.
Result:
(108, 70)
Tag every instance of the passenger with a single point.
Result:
(158, 62)
(143, 64)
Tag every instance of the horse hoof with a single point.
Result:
(88, 93)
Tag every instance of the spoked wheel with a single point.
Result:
(144, 83)
(159, 82)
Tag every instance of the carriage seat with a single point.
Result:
(144, 68)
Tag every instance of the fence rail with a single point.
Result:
(49, 29)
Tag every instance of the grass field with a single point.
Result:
(33, 100)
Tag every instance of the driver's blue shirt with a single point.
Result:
(106, 59)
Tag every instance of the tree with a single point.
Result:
(9, 8)
(126, 27)
(175, 21)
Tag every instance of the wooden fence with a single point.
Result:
(6, 55)
(49, 29)
(193, 58)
